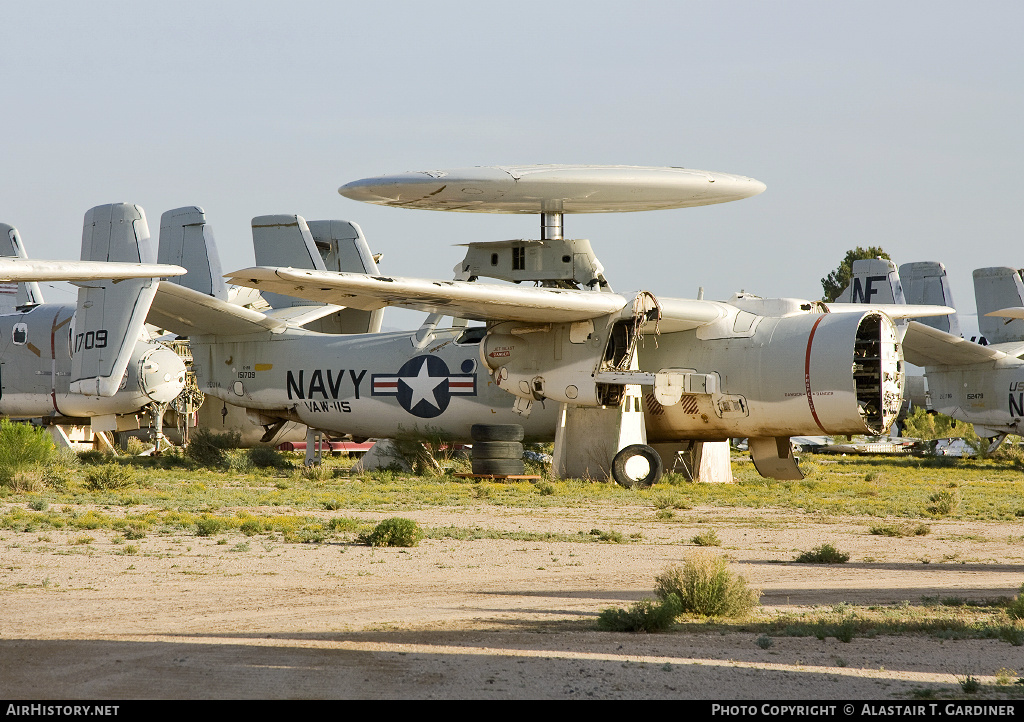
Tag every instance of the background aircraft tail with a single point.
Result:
(874, 280)
(186, 240)
(111, 314)
(287, 240)
(997, 288)
(13, 293)
(925, 283)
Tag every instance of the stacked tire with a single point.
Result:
(498, 449)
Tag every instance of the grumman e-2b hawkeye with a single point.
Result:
(764, 369)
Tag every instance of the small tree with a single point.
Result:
(837, 281)
(922, 425)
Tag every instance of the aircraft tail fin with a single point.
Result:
(874, 280)
(111, 314)
(285, 240)
(997, 288)
(925, 283)
(187, 240)
(344, 249)
(288, 240)
(13, 293)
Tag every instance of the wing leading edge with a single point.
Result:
(463, 299)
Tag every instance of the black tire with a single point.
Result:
(499, 467)
(496, 432)
(497, 450)
(630, 478)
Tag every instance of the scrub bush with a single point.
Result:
(705, 586)
(823, 554)
(394, 532)
(207, 448)
(644, 616)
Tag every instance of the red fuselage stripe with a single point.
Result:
(807, 375)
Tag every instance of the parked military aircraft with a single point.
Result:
(982, 384)
(90, 363)
(749, 367)
(353, 380)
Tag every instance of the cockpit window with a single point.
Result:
(20, 334)
(474, 334)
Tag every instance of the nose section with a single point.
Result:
(161, 375)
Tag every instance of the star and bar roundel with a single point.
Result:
(425, 386)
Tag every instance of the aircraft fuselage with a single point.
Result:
(987, 394)
(367, 385)
(35, 367)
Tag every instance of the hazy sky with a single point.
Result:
(872, 123)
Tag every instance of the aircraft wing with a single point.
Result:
(892, 310)
(463, 299)
(927, 346)
(191, 313)
(31, 269)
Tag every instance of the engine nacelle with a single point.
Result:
(755, 376)
(744, 375)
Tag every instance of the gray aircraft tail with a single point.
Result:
(187, 240)
(14, 294)
(925, 283)
(997, 288)
(288, 240)
(111, 315)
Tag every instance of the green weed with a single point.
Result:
(823, 554)
(944, 503)
(707, 538)
(644, 616)
(107, 477)
(900, 530)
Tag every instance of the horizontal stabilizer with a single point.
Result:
(927, 346)
(187, 313)
(302, 315)
(1016, 312)
(30, 269)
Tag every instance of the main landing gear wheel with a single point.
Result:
(638, 465)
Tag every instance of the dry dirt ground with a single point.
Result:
(234, 617)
